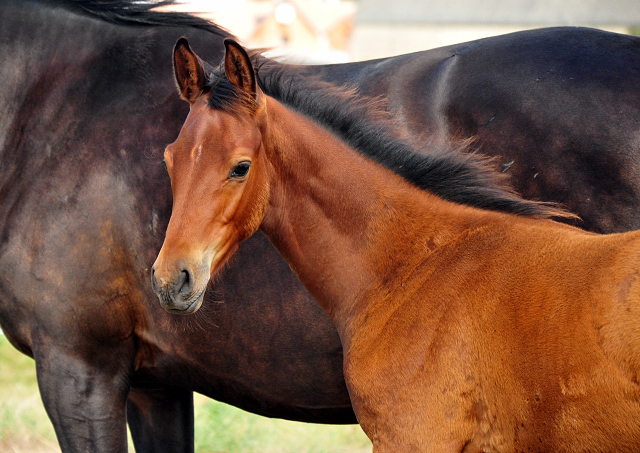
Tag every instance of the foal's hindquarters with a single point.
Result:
(523, 339)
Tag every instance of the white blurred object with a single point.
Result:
(300, 31)
(285, 13)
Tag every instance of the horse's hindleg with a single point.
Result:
(86, 404)
(161, 420)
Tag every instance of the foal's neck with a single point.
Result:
(343, 222)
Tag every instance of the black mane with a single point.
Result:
(135, 12)
(453, 173)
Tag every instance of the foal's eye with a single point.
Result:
(240, 170)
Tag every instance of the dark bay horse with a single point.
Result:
(469, 323)
(84, 200)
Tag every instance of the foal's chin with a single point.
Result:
(183, 305)
(191, 307)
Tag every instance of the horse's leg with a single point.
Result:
(161, 420)
(86, 403)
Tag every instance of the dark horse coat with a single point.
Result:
(88, 106)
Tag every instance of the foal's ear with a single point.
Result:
(238, 67)
(188, 70)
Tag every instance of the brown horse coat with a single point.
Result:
(464, 329)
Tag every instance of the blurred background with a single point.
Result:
(338, 31)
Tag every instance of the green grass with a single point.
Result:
(635, 31)
(221, 428)
(25, 428)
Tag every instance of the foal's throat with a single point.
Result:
(334, 214)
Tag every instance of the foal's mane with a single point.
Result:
(454, 174)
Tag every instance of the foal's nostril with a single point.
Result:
(185, 283)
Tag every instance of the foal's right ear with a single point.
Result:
(238, 67)
(188, 70)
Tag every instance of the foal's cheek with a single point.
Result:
(253, 205)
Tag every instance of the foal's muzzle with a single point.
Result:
(176, 291)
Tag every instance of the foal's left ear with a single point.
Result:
(238, 67)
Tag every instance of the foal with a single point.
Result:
(464, 329)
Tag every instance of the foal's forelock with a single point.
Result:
(223, 95)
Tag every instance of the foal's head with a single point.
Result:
(218, 175)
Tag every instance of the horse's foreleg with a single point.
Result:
(161, 420)
(86, 403)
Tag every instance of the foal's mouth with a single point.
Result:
(191, 304)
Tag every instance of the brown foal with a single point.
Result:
(464, 329)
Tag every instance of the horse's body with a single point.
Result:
(84, 200)
(464, 329)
